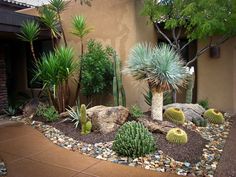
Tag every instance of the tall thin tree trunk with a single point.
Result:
(62, 30)
(157, 105)
(32, 51)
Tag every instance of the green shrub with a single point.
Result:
(214, 116)
(97, 70)
(177, 136)
(48, 113)
(10, 110)
(133, 140)
(200, 122)
(174, 115)
(136, 111)
(204, 103)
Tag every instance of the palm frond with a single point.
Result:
(58, 5)
(29, 31)
(50, 19)
(80, 27)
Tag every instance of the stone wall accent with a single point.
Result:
(3, 81)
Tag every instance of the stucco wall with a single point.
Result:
(217, 77)
(117, 23)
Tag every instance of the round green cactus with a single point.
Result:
(214, 116)
(174, 115)
(177, 136)
(133, 140)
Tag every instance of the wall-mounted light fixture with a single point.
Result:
(215, 52)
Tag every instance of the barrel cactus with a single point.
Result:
(175, 115)
(177, 136)
(133, 140)
(214, 116)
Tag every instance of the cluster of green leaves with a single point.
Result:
(204, 103)
(75, 115)
(200, 18)
(55, 68)
(97, 70)
(49, 113)
(10, 110)
(133, 140)
(136, 111)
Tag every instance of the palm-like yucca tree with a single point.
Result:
(80, 29)
(59, 6)
(49, 18)
(161, 67)
(29, 32)
(54, 70)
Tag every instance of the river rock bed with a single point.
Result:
(159, 161)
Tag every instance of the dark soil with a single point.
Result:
(190, 152)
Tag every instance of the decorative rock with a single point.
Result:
(107, 119)
(3, 170)
(190, 110)
(30, 108)
(155, 125)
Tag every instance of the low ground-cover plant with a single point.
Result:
(135, 111)
(10, 110)
(177, 136)
(204, 103)
(214, 116)
(49, 113)
(175, 115)
(133, 140)
(200, 122)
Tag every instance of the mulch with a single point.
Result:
(190, 152)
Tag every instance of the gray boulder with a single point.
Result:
(190, 110)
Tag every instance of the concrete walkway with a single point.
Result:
(27, 153)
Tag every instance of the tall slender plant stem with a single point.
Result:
(32, 51)
(62, 29)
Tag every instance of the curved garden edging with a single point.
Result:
(159, 161)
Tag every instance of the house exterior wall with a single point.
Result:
(217, 77)
(3, 79)
(114, 23)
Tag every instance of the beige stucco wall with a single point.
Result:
(217, 77)
(117, 23)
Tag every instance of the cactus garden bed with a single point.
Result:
(198, 157)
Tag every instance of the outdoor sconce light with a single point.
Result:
(215, 52)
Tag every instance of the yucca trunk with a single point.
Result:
(157, 105)
(62, 29)
(32, 51)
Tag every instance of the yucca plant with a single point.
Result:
(80, 29)
(59, 6)
(161, 67)
(50, 19)
(75, 115)
(54, 70)
(29, 32)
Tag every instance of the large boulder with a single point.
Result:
(156, 126)
(190, 110)
(107, 119)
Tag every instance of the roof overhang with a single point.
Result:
(10, 22)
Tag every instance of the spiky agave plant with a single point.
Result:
(161, 67)
(50, 19)
(29, 32)
(59, 6)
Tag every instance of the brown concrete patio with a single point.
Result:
(27, 153)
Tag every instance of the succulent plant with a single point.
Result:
(86, 124)
(133, 140)
(214, 116)
(200, 122)
(174, 115)
(177, 136)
